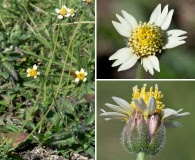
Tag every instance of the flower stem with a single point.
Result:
(140, 72)
(141, 156)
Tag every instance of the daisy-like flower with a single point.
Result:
(146, 40)
(81, 76)
(63, 12)
(146, 119)
(87, 2)
(71, 12)
(33, 72)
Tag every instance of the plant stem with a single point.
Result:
(141, 156)
(140, 72)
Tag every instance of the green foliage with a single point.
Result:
(52, 109)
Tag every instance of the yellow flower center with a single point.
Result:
(32, 72)
(146, 96)
(89, 1)
(146, 39)
(63, 11)
(71, 11)
(80, 76)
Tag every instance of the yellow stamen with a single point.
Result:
(146, 96)
(146, 39)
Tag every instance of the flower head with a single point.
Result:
(63, 12)
(71, 12)
(146, 118)
(81, 76)
(146, 40)
(33, 72)
(87, 2)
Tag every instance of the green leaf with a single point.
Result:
(10, 69)
(14, 138)
(90, 118)
(68, 141)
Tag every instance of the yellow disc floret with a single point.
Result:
(146, 96)
(32, 72)
(81, 76)
(146, 39)
(63, 11)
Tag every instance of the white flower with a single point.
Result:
(124, 111)
(145, 40)
(145, 103)
(87, 2)
(33, 72)
(71, 12)
(63, 12)
(81, 76)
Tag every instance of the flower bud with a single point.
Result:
(146, 118)
(143, 135)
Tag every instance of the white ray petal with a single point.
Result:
(178, 116)
(173, 38)
(176, 32)
(142, 102)
(84, 79)
(115, 115)
(122, 59)
(155, 14)
(121, 29)
(130, 19)
(172, 44)
(119, 62)
(35, 67)
(76, 72)
(148, 65)
(167, 21)
(117, 108)
(179, 110)
(162, 16)
(172, 124)
(59, 16)
(124, 52)
(76, 80)
(140, 105)
(103, 110)
(124, 104)
(125, 23)
(168, 112)
(155, 62)
(151, 105)
(57, 10)
(128, 64)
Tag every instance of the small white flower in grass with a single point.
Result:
(63, 12)
(71, 12)
(146, 40)
(81, 76)
(87, 2)
(33, 72)
(145, 119)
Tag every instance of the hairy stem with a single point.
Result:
(141, 156)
